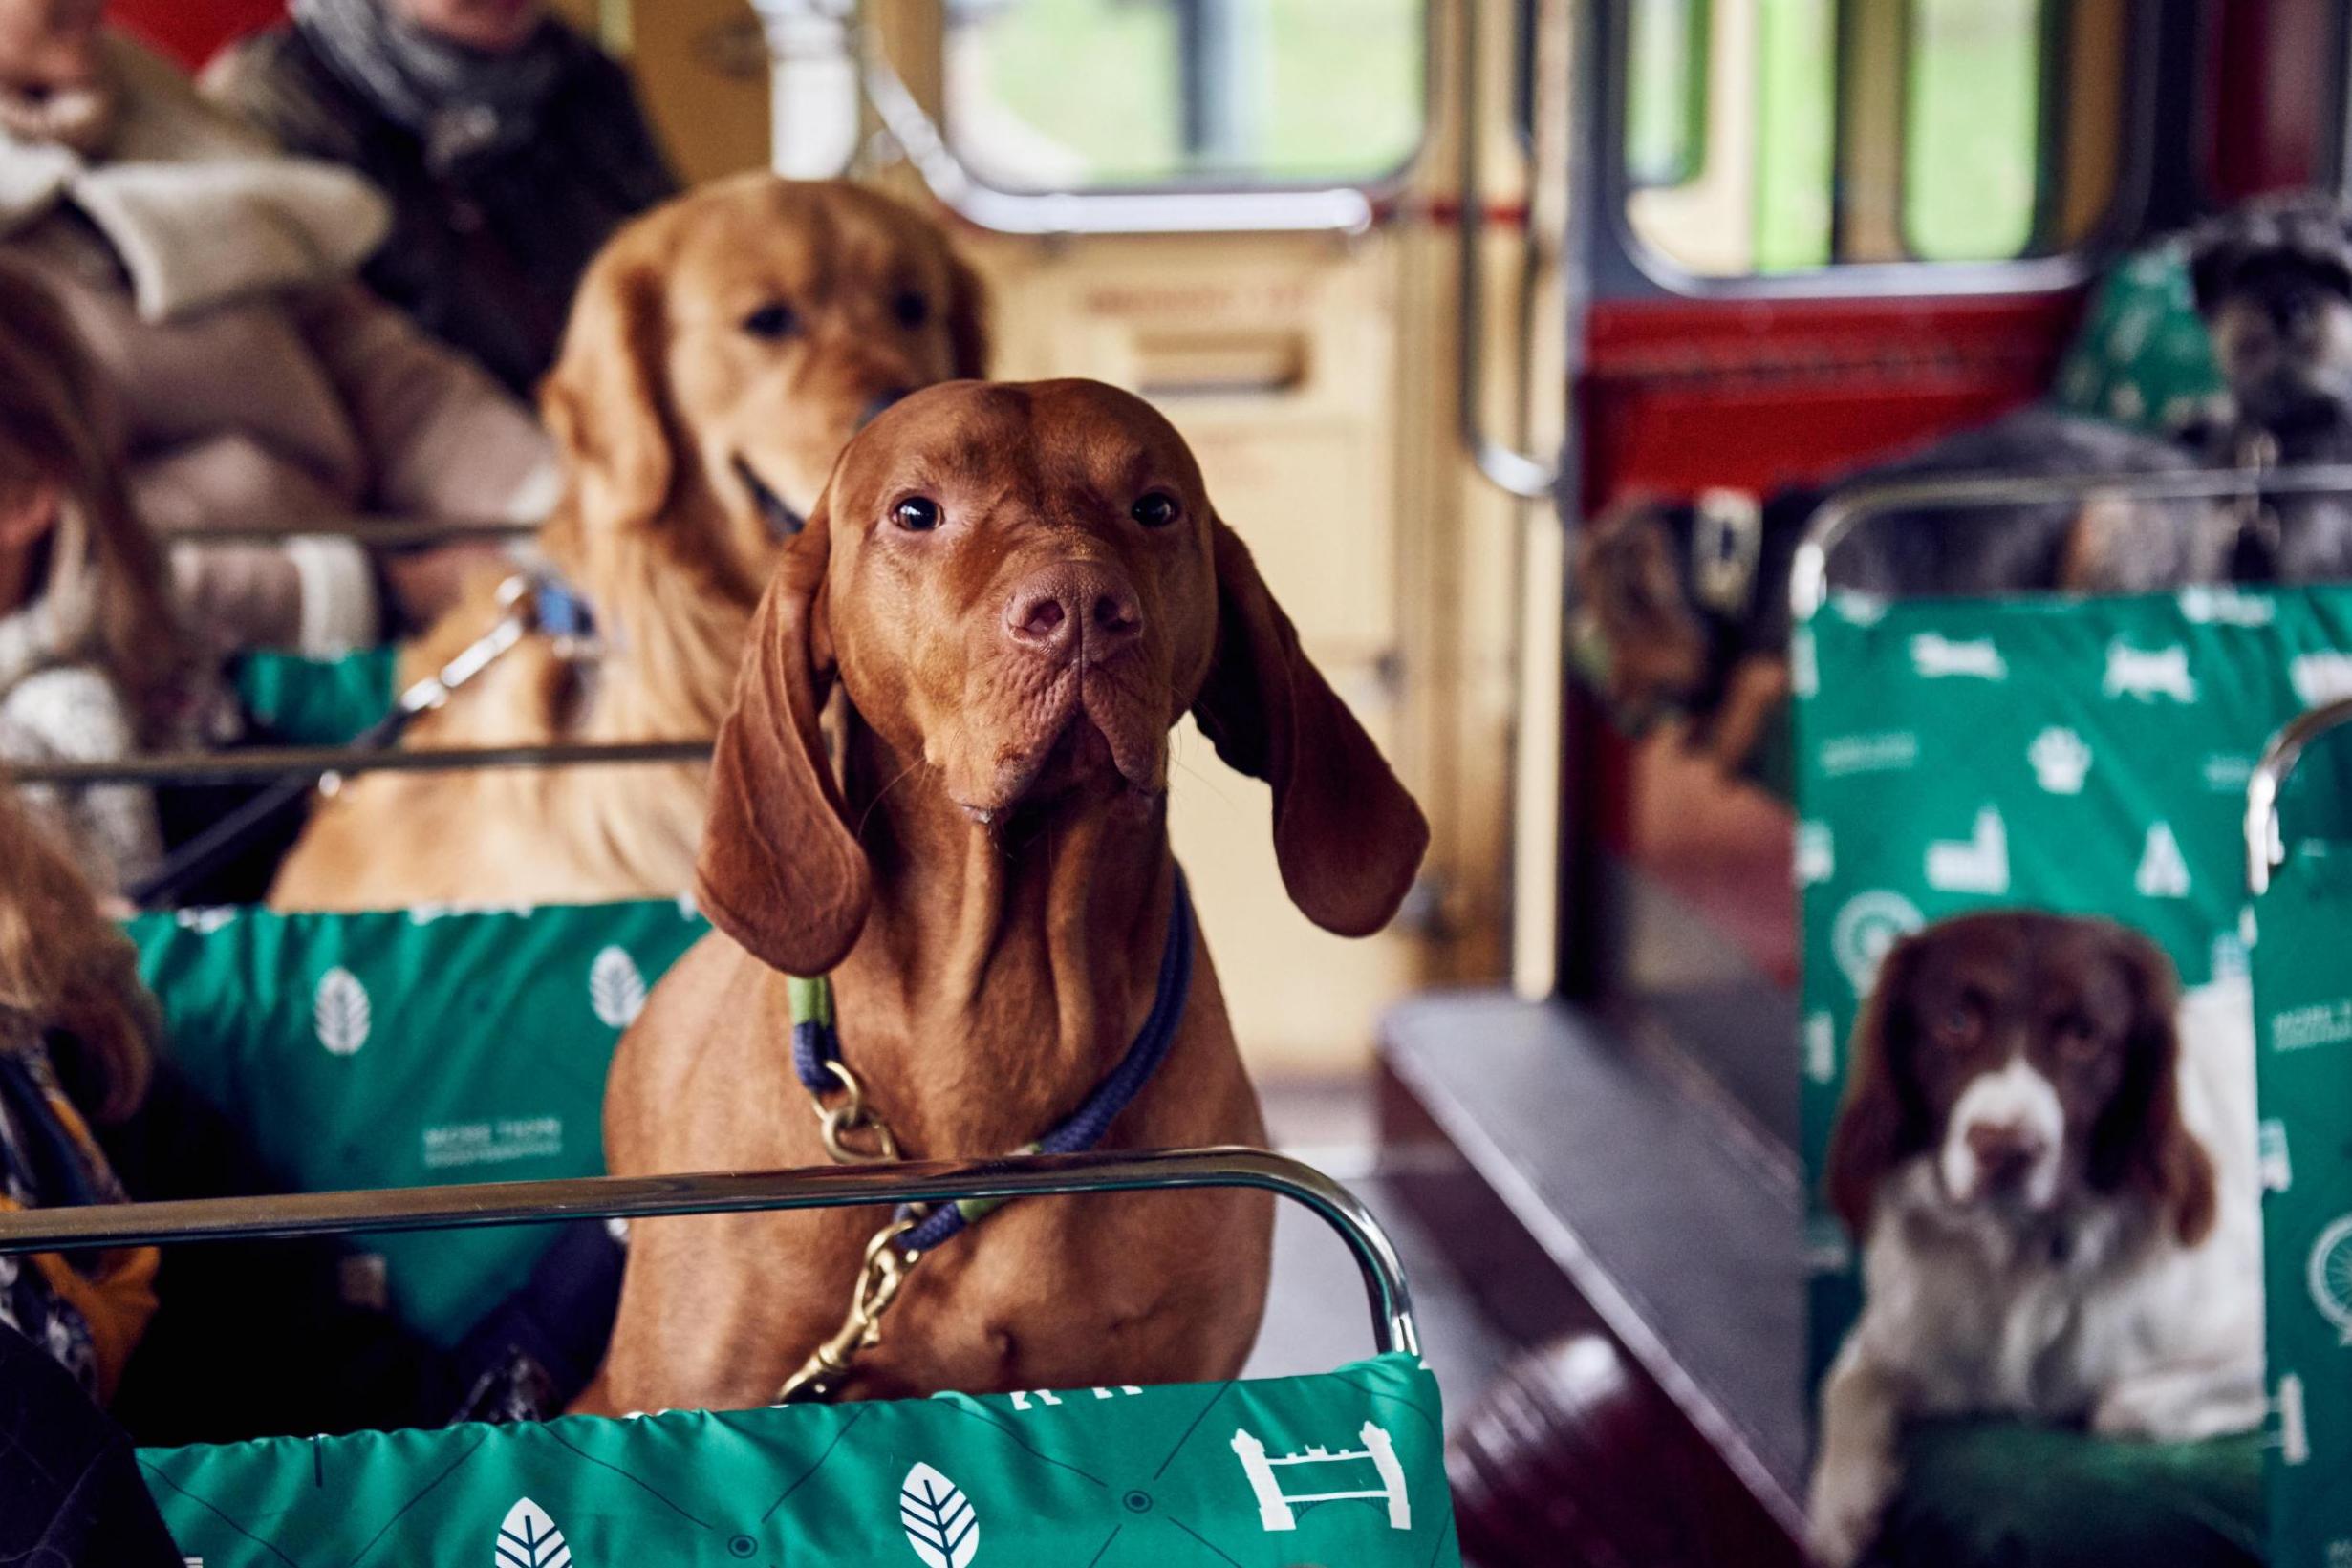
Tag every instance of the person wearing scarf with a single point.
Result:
(256, 382)
(511, 146)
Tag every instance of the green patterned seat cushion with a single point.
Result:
(2141, 357)
(1218, 1475)
(302, 702)
(408, 1049)
(2003, 1494)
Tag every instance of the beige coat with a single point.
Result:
(258, 382)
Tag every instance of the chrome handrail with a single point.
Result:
(716, 1193)
(2266, 847)
(1341, 209)
(381, 532)
(278, 761)
(1515, 472)
(1808, 585)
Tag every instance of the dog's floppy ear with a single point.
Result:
(779, 870)
(1346, 835)
(603, 402)
(2141, 1141)
(1875, 1129)
(2214, 263)
(967, 320)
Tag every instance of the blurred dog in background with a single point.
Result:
(722, 350)
(1681, 609)
(2047, 1155)
(2274, 283)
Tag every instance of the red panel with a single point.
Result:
(1760, 394)
(192, 32)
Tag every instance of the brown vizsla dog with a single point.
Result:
(721, 350)
(1018, 589)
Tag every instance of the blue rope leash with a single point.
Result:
(816, 1044)
(562, 610)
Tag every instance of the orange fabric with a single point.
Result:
(117, 1300)
(116, 1295)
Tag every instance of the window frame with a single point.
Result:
(1647, 268)
(1208, 205)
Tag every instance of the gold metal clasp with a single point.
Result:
(852, 1115)
(879, 1279)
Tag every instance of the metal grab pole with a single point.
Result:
(316, 762)
(826, 1187)
(2266, 847)
(1809, 574)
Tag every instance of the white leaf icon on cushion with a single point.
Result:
(939, 1518)
(341, 1010)
(530, 1539)
(616, 989)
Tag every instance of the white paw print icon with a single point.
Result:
(2060, 761)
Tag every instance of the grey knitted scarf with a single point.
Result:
(459, 101)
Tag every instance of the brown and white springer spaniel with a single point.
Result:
(2047, 1154)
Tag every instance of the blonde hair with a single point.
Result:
(56, 428)
(67, 973)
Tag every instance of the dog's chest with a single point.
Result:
(1064, 1293)
(1973, 1337)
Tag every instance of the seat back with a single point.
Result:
(2302, 989)
(300, 701)
(2083, 756)
(414, 1048)
(1343, 1467)
(2088, 757)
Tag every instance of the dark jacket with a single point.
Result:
(71, 1492)
(486, 258)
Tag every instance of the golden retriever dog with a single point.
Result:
(722, 350)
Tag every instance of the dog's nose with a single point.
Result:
(1058, 613)
(879, 402)
(2004, 1152)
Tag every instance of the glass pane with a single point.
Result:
(1666, 91)
(1796, 134)
(1062, 94)
(1973, 129)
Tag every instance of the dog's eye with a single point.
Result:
(1155, 510)
(1955, 1028)
(772, 321)
(917, 514)
(911, 309)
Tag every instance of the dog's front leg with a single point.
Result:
(1857, 1471)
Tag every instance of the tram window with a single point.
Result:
(1838, 131)
(1066, 94)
